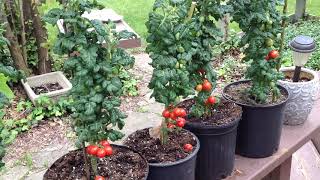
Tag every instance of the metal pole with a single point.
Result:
(296, 75)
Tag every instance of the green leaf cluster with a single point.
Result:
(180, 45)
(260, 20)
(95, 62)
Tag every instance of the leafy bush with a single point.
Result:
(309, 28)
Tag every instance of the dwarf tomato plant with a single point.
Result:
(95, 61)
(261, 22)
(182, 36)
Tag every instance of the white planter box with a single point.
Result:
(54, 77)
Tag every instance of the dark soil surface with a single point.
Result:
(122, 165)
(154, 152)
(225, 113)
(45, 88)
(239, 93)
(304, 76)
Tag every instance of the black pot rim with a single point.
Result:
(118, 146)
(256, 105)
(194, 153)
(214, 127)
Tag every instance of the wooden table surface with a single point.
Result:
(292, 138)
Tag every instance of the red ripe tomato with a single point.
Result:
(273, 54)
(206, 86)
(183, 113)
(187, 147)
(166, 113)
(108, 150)
(171, 126)
(104, 143)
(92, 149)
(99, 178)
(173, 116)
(267, 58)
(176, 112)
(101, 153)
(181, 122)
(211, 100)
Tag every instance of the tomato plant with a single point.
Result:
(181, 37)
(261, 23)
(95, 61)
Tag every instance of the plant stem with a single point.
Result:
(284, 21)
(94, 165)
(86, 163)
(191, 10)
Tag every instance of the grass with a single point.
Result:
(136, 12)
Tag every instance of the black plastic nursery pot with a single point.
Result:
(216, 157)
(183, 169)
(259, 130)
(73, 162)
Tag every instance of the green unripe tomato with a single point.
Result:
(181, 49)
(269, 42)
(272, 84)
(177, 65)
(263, 27)
(201, 19)
(269, 22)
(178, 36)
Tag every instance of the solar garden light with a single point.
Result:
(302, 47)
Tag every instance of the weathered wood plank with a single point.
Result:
(292, 139)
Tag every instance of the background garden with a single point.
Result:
(26, 129)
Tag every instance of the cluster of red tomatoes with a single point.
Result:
(272, 55)
(206, 86)
(100, 152)
(177, 115)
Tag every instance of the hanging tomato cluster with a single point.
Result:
(175, 117)
(100, 151)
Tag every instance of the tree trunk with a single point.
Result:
(14, 47)
(40, 33)
(23, 32)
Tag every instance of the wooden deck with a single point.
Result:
(306, 163)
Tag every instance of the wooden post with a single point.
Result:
(300, 9)
(282, 172)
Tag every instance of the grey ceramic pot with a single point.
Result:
(302, 95)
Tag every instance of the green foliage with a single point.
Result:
(45, 108)
(260, 21)
(129, 83)
(309, 28)
(181, 43)
(95, 68)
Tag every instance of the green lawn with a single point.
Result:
(135, 12)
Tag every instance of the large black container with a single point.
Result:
(259, 130)
(45, 176)
(216, 157)
(183, 169)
